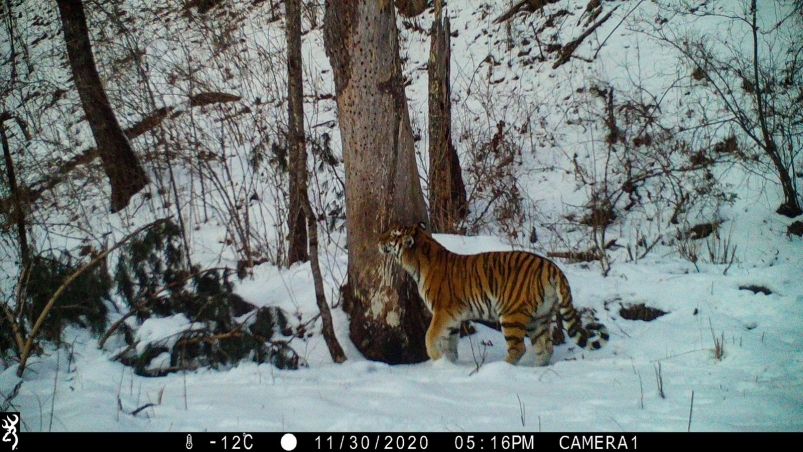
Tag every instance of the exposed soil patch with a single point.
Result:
(756, 289)
(640, 312)
(795, 228)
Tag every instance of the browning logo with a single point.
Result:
(9, 422)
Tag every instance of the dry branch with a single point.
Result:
(577, 256)
(524, 5)
(593, 254)
(567, 50)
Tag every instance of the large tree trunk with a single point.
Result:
(296, 223)
(388, 319)
(447, 193)
(121, 164)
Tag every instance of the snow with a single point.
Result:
(755, 385)
(163, 331)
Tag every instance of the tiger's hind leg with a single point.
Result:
(541, 338)
(514, 328)
(442, 337)
(538, 329)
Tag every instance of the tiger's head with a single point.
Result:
(397, 240)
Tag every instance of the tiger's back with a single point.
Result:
(521, 290)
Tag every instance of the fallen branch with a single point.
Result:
(120, 322)
(524, 5)
(577, 256)
(593, 254)
(567, 50)
(7, 399)
(147, 405)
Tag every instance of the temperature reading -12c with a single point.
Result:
(238, 442)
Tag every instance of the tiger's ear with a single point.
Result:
(408, 242)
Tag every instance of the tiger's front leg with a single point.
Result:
(442, 337)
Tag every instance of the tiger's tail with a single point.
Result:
(591, 336)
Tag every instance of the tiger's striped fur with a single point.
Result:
(521, 290)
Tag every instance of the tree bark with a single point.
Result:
(447, 192)
(18, 214)
(126, 175)
(388, 319)
(296, 223)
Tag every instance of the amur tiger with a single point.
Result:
(521, 290)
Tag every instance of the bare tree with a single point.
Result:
(759, 80)
(301, 213)
(447, 192)
(327, 327)
(126, 175)
(388, 319)
(297, 224)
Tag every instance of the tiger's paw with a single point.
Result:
(437, 354)
(542, 359)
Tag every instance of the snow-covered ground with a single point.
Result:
(756, 385)
(642, 380)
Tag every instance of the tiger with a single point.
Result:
(519, 289)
